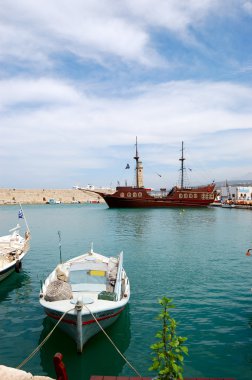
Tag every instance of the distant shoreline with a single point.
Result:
(42, 196)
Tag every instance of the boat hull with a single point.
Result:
(88, 327)
(15, 266)
(131, 197)
(13, 249)
(86, 294)
(6, 272)
(118, 203)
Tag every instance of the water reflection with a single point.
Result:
(99, 357)
(133, 222)
(10, 287)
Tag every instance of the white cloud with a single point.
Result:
(50, 124)
(248, 6)
(34, 32)
(68, 129)
(28, 92)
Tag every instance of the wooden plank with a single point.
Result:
(149, 378)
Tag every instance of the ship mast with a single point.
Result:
(137, 160)
(182, 159)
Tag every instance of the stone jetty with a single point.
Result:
(42, 196)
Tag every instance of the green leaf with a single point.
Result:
(184, 349)
(180, 358)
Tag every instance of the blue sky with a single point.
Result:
(80, 80)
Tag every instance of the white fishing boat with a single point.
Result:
(13, 248)
(87, 293)
(227, 205)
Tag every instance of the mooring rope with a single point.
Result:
(102, 329)
(43, 341)
(111, 341)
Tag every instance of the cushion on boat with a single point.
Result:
(58, 290)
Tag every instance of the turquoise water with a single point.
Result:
(197, 257)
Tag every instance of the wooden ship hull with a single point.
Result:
(133, 197)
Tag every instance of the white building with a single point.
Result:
(236, 193)
(244, 193)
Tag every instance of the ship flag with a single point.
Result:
(20, 214)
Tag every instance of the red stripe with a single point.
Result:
(73, 322)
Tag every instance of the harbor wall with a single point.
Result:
(41, 196)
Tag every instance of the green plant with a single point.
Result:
(169, 350)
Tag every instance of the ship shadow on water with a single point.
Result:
(99, 357)
(13, 283)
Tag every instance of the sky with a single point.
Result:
(80, 79)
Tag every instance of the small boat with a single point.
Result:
(228, 204)
(87, 293)
(53, 201)
(178, 196)
(13, 249)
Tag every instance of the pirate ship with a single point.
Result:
(178, 196)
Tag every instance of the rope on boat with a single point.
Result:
(43, 341)
(111, 341)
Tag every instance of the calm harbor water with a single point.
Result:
(197, 257)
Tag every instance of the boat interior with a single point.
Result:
(90, 275)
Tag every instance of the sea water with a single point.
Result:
(194, 256)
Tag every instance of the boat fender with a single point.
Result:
(18, 266)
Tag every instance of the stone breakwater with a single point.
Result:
(42, 196)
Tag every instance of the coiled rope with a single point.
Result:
(113, 344)
(43, 341)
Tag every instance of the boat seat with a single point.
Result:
(88, 287)
(88, 280)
